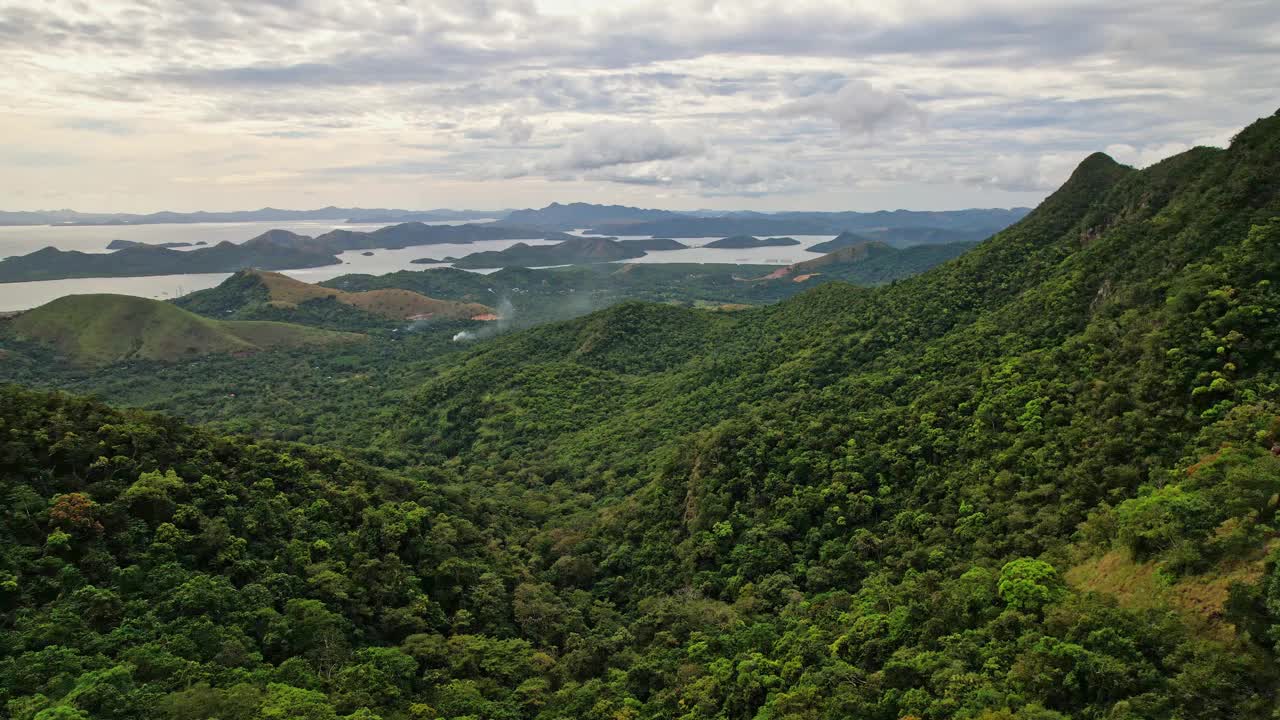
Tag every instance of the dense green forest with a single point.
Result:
(1036, 482)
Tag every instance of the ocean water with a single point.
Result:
(23, 240)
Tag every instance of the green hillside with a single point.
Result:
(1036, 482)
(100, 329)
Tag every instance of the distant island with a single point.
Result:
(53, 264)
(740, 242)
(574, 251)
(655, 244)
(524, 254)
(118, 244)
(272, 250)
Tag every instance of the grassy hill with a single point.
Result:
(100, 329)
(253, 294)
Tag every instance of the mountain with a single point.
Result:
(579, 215)
(1035, 482)
(71, 217)
(747, 241)
(843, 240)
(415, 233)
(262, 252)
(572, 251)
(258, 295)
(440, 215)
(696, 227)
(101, 329)
(1050, 454)
(926, 226)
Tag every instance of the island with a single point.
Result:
(119, 244)
(275, 250)
(740, 242)
(576, 250)
(655, 244)
(285, 250)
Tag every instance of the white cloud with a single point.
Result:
(515, 129)
(1146, 155)
(609, 143)
(860, 108)
(820, 102)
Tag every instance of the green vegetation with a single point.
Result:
(102, 329)
(1038, 481)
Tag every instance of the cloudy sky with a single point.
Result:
(141, 105)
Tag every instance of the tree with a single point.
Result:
(1029, 584)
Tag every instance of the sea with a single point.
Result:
(94, 238)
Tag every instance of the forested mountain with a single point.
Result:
(1036, 482)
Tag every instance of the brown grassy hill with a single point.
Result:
(395, 304)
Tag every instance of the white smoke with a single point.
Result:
(506, 315)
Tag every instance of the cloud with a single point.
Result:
(821, 101)
(99, 125)
(859, 108)
(1141, 157)
(610, 143)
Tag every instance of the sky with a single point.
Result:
(145, 105)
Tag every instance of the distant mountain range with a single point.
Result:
(267, 214)
(928, 226)
(899, 228)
